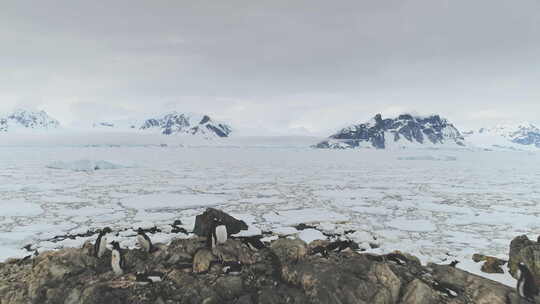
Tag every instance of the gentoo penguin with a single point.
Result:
(526, 287)
(232, 268)
(144, 241)
(101, 242)
(117, 259)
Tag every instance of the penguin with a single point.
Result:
(526, 287)
(398, 258)
(339, 246)
(232, 268)
(144, 241)
(144, 278)
(253, 242)
(217, 234)
(100, 246)
(320, 250)
(117, 259)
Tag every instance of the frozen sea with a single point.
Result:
(440, 205)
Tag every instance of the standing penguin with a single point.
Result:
(117, 259)
(144, 241)
(101, 242)
(217, 235)
(526, 287)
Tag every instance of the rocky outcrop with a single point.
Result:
(282, 272)
(524, 250)
(406, 129)
(203, 222)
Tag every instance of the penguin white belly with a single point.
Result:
(143, 243)
(221, 234)
(102, 246)
(521, 289)
(115, 263)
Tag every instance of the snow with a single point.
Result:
(84, 165)
(310, 235)
(436, 210)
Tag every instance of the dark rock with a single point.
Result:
(203, 222)
(524, 250)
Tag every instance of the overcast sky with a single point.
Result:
(286, 65)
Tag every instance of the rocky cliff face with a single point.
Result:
(284, 271)
(22, 119)
(404, 130)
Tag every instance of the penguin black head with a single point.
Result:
(105, 230)
(115, 245)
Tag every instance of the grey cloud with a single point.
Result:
(285, 64)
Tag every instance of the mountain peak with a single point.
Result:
(22, 119)
(405, 129)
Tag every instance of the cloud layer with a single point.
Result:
(290, 66)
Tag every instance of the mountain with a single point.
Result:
(509, 136)
(405, 130)
(27, 120)
(173, 123)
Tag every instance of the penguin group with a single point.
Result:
(117, 257)
(217, 235)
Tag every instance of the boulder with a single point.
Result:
(491, 264)
(203, 222)
(203, 260)
(524, 250)
(290, 250)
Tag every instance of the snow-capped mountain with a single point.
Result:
(178, 123)
(27, 120)
(511, 136)
(171, 124)
(405, 130)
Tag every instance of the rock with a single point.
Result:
(203, 222)
(477, 258)
(279, 273)
(203, 260)
(469, 286)
(418, 292)
(493, 265)
(290, 250)
(524, 250)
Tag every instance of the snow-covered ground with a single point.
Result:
(439, 205)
